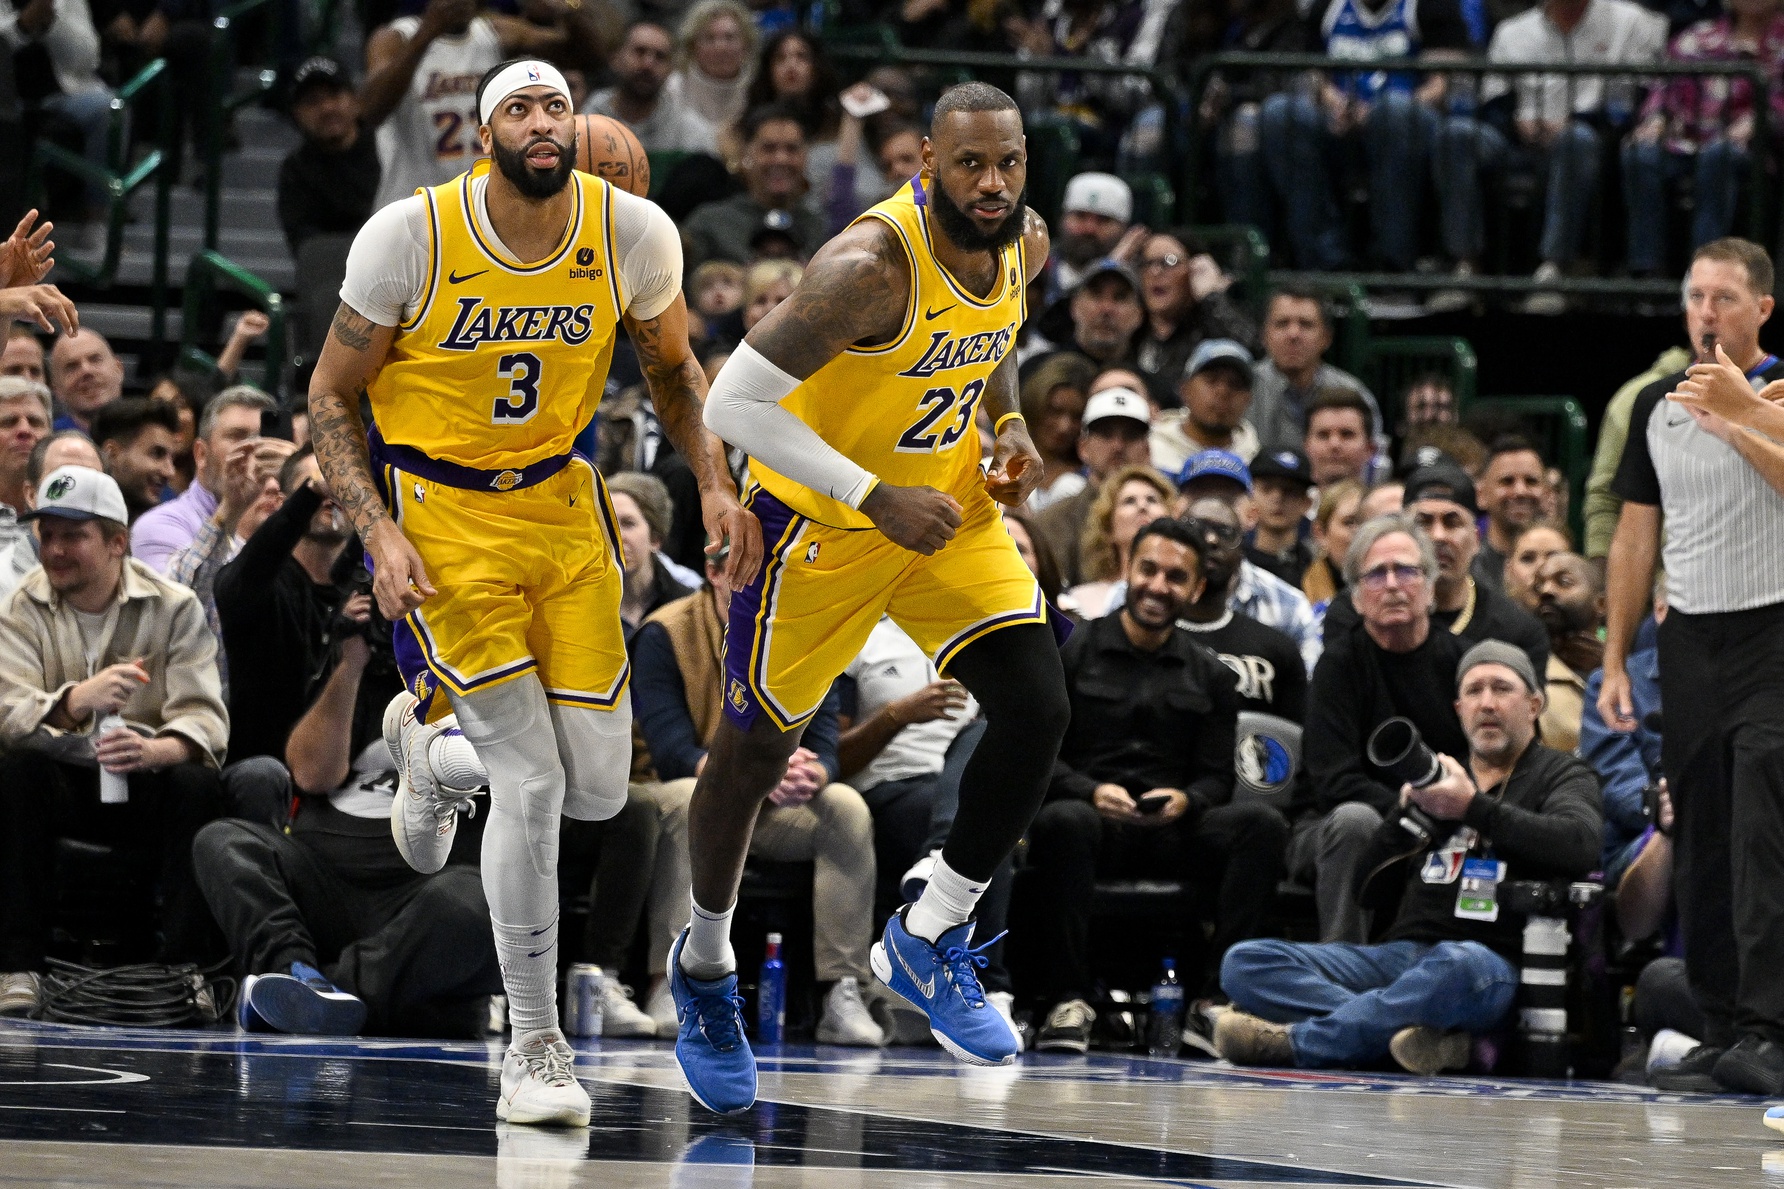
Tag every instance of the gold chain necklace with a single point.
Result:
(1461, 624)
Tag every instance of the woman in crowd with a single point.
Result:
(1129, 500)
(1035, 552)
(714, 52)
(1184, 293)
(1053, 399)
(1539, 541)
(1334, 524)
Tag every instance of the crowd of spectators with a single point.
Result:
(1265, 560)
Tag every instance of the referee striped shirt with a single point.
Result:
(1724, 524)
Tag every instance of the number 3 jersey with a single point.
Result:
(498, 364)
(904, 410)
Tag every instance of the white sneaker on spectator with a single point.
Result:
(539, 1083)
(1546, 302)
(423, 815)
(661, 1008)
(846, 1020)
(20, 993)
(1452, 301)
(1002, 1002)
(918, 877)
(620, 1017)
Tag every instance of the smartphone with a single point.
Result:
(1153, 802)
(269, 423)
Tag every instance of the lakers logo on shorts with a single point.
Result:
(421, 687)
(505, 481)
(739, 697)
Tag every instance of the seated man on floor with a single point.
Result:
(1447, 969)
(1144, 782)
(337, 933)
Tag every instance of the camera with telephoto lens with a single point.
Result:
(1397, 748)
(375, 631)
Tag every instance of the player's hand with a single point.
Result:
(25, 255)
(399, 580)
(1015, 466)
(920, 519)
(1616, 705)
(730, 523)
(41, 305)
(937, 700)
(1720, 388)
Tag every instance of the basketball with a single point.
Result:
(608, 149)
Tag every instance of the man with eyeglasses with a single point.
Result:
(1390, 661)
(1440, 499)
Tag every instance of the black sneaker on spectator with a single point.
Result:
(1693, 1075)
(1429, 1051)
(20, 993)
(1067, 1029)
(1754, 1066)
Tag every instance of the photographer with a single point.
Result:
(277, 603)
(1446, 970)
(337, 933)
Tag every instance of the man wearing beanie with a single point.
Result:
(1446, 970)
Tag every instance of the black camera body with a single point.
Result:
(1397, 748)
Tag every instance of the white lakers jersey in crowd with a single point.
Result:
(431, 137)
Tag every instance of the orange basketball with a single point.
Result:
(608, 149)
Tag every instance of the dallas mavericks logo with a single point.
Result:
(1266, 755)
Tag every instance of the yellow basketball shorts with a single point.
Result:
(528, 580)
(793, 630)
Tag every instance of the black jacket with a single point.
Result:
(1357, 686)
(1146, 720)
(324, 192)
(1546, 821)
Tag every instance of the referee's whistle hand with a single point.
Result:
(1615, 704)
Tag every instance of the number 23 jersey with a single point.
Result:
(904, 410)
(498, 363)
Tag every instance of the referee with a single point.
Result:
(1721, 670)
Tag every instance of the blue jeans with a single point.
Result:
(1347, 1001)
(91, 111)
(1719, 167)
(1301, 156)
(1468, 150)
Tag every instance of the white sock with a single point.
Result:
(707, 952)
(529, 975)
(948, 901)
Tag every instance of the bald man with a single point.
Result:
(85, 376)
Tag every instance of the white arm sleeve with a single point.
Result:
(744, 409)
(387, 266)
(648, 249)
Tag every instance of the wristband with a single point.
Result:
(998, 428)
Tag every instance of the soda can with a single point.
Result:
(582, 1000)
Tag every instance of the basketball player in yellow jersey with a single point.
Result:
(855, 400)
(479, 317)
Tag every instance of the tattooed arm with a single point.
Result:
(1015, 463)
(353, 352)
(678, 392)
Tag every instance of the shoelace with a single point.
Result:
(450, 801)
(1071, 1014)
(964, 966)
(554, 1067)
(720, 1018)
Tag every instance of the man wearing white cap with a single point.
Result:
(1093, 219)
(478, 317)
(90, 633)
(1113, 436)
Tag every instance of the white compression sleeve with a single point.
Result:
(744, 409)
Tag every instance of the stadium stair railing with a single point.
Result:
(1558, 426)
(210, 272)
(224, 44)
(1393, 362)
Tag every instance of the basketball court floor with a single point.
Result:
(97, 1107)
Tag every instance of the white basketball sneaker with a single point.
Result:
(539, 1083)
(424, 812)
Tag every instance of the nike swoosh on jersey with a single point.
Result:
(928, 988)
(932, 315)
(454, 279)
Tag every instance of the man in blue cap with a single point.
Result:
(1216, 395)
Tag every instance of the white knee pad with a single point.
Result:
(596, 748)
(510, 727)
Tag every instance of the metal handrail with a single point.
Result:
(208, 271)
(119, 183)
(222, 67)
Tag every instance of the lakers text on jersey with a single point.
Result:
(904, 411)
(474, 413)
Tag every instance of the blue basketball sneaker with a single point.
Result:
(942, 981)
(302, 1003)
(715, 1059)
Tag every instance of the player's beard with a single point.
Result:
(536, 183)
(960, 229)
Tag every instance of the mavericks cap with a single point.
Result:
(1443, 481)
(317, 74)
(1498, 652)
(1100, 194)
(1118, 402)
(1219, 464)
(79, 493)
(1222, 351)
(1283, 464)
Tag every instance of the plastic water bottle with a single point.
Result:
(114, 787)
(1164, 1027)
(771, 995)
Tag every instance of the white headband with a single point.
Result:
(518, 77)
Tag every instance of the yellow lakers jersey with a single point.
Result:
(503, 362)
(904, 410)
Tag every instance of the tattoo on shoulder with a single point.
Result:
(352, 329)
(855, 291)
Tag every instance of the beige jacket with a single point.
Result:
(160, 621)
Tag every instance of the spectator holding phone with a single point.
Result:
(232, 417)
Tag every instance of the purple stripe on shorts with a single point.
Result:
(779, 525)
